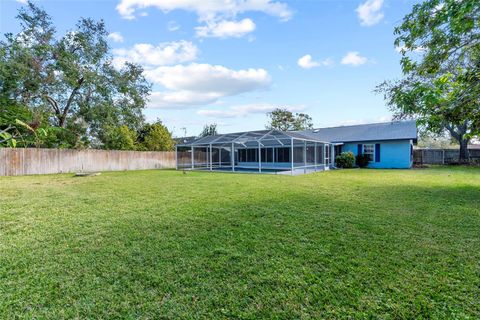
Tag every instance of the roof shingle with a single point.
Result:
(395, 130)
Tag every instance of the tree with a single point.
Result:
(284, 120)
(155, 137)
(441, 141)
(209, 130)
(120, 138)
(302, 122)
(440, 46)
(70, 78)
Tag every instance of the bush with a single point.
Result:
(155, 137)
(345, 160)
(120, 138)
(362, 160)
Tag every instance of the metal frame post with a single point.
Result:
(192, 156)
(232, 157)
(315, 156)
(259, 157)
(304, 156)
(324, 154)
(291, 156)
(211, 158)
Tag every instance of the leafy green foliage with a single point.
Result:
(22, 134)
(7, 139)
(342, 244)
(121, 138)
(68, 80)
(345, 160)
(440, 46)
(362, 160)
(155, 137)
(209, 130)
(285, 120)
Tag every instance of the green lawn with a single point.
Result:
(351, 244)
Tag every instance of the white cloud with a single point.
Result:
(181, 99)
(149, 55)
(245, 110)
(307, 62)
(197, 84)
(207, 10)
(354, 58)
(225, 29)
(370, 12)
(173, 26)
(22, 1)
(116, 37)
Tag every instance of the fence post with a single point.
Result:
(176, 157)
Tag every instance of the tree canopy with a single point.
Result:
(284, 120)
(67, 82)
(155, 137)
(209, 130)
(440, 46)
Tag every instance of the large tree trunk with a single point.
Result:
(463, 158)
(458, 133)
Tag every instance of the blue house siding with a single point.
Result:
(393, 154)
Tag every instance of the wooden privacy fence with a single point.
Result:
(443, 156)
(15, 162)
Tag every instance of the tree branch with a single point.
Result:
(53, 103)
(69, 102)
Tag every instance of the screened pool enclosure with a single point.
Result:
(266, 151)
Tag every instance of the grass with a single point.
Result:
(350, 244)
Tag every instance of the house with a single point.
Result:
(389, 145)
(184, 140)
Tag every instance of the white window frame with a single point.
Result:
(370, 153)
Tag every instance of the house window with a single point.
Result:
(369, 150)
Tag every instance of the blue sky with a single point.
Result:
(230, 62)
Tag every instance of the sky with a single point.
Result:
(230, 62)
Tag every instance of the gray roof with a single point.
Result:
(395, 130)
(182, 140)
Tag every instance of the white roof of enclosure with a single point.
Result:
(253, 138)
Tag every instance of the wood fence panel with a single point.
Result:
(442, 156)
(14, 162)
